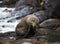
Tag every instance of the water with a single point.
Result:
(6, 16)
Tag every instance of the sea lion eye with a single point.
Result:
(33, 20)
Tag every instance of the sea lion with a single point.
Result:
(27, 25)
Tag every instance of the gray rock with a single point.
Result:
(58, 29)
(50, 23)
(53, 8)
(24, 11)
(42, 15)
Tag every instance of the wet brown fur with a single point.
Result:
(22, 27)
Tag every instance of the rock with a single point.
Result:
(7, 34)
(9, 3)
(23, 3)
(43, 31)
(54, 38)
(42, 15)
(28, 2)
(6, 40)
(58, 29)
(29, 41)
(50, 23)
(10, 35)
(24, 11)
(53, 8)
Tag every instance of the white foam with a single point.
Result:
(26, 43)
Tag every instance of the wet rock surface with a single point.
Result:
(42, 15)
(52, 6)
(50, 23)
(24, 11)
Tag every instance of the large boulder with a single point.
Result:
(53, 7)
(50, 23)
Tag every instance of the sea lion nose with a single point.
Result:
(34, 25)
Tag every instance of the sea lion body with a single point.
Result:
(28, 23)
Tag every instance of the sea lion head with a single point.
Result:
(32, 20)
